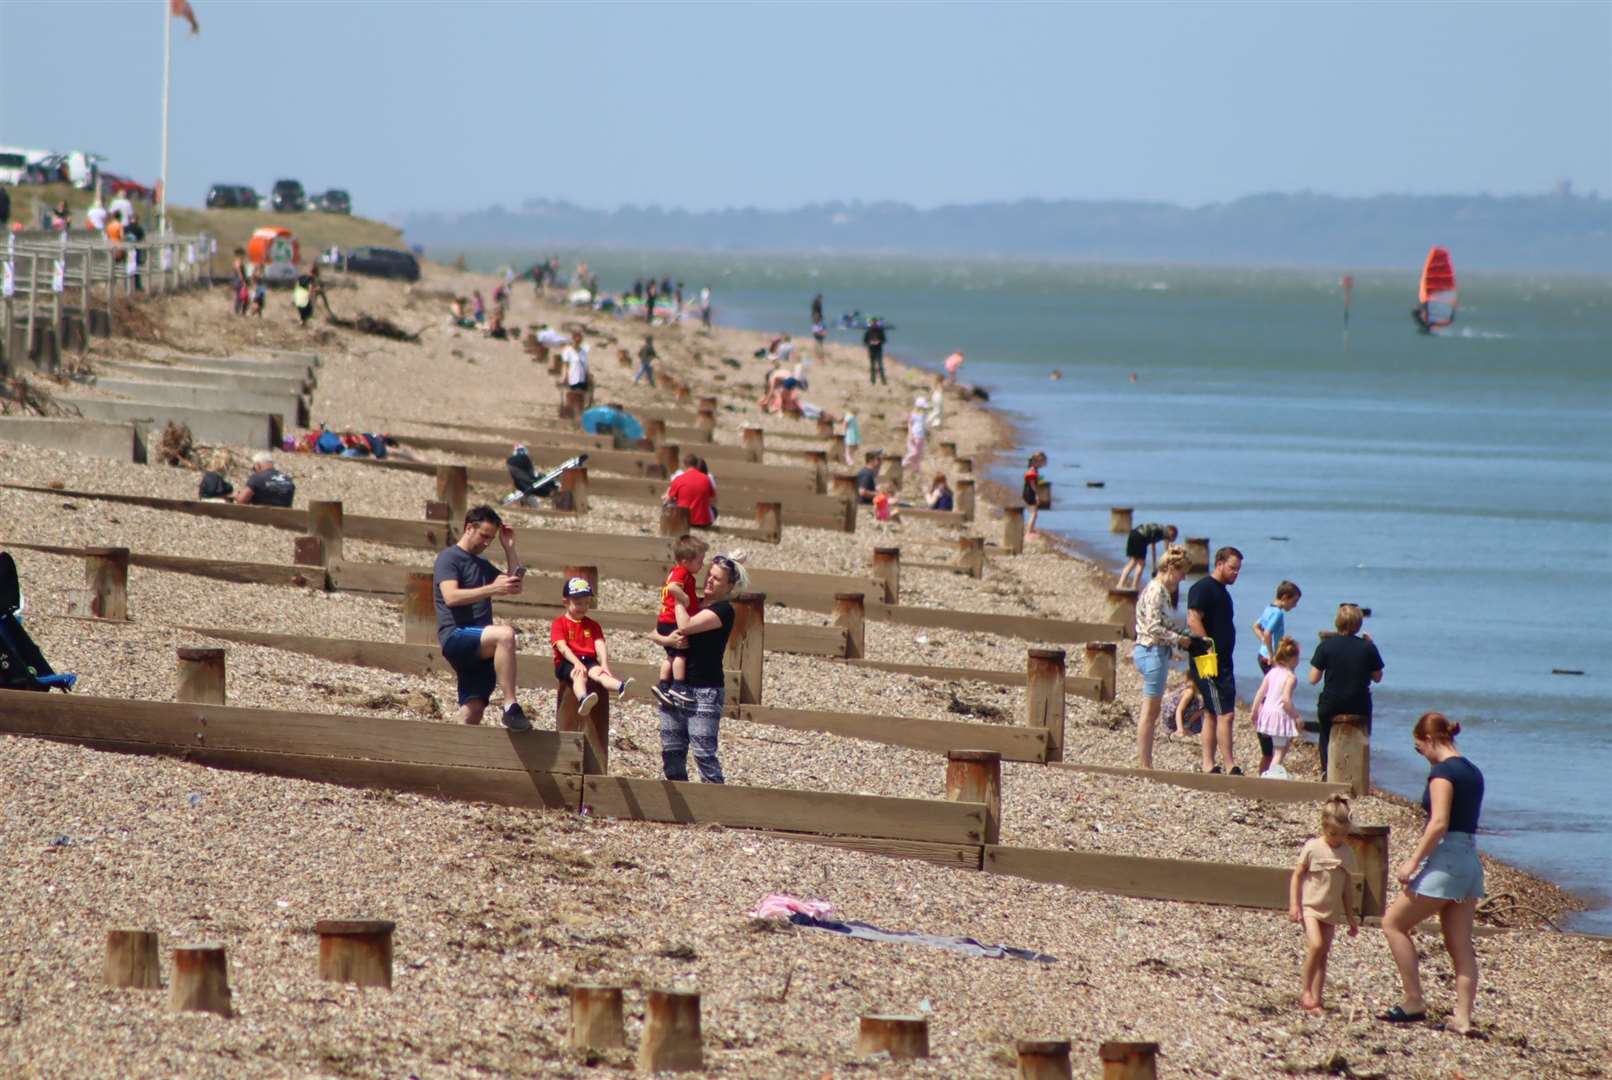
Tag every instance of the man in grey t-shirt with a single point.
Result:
(464, 584)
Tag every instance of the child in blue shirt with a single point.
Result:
(1272, 625)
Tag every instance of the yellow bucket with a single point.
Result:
(1207, 665)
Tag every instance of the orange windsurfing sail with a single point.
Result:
(1438, 293)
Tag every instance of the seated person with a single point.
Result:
(867, 477)
(266, 486)
(939, 496)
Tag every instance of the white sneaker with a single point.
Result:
(1275, 772)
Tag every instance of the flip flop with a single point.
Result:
(1397, 1015)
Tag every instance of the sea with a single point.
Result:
(1458, 485)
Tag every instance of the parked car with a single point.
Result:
(288, 196)
(383, 262)
(334, 201)
(114, 184)
(231, 196)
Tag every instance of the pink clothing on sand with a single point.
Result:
(781, 905)
(1273, 718)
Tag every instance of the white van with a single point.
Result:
(14, 163)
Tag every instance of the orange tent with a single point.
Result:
(273, 244)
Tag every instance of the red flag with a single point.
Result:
(181, 9)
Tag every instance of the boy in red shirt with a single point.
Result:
(579, 648)
(689, 552)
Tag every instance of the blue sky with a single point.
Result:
(448, 105)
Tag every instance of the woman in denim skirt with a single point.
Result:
(1442, 876)
(1158, 630)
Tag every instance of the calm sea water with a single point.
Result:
(1459, 486)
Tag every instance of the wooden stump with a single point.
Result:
(308, 551)
(671, 1041)
(1046, 672)
(948, 447)
(576, 482)
(201, 676)
(131, 960)
(747, 644)
(890, 470)
(1197, 554)
(975, 776)
(590, 574)
(707, 403)
(902, 1037)
(1370, 844)
(419, 610)
(850, 613)
(705, 423)
(1044, 1060)
(325, 522)
(965, 497)
(836, 449)
(1119, 519)
(1129, 1060)
(887, 571)
(655, 430)
(669, 457)
(201, 980)
(769, 517)
(106, 572)
(453, 488)
(817, 461)
(357, 951)
(1013, 530)
(673, 521)
(596, 1018)
(1101, 663)
(754, 440)
(437, 510)
(1122, 608)
(966, 464)
(595, 727)
(971, 555)
(825, 428)
(1349, 754)
(1043, 494)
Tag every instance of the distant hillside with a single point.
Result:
(1561, 232)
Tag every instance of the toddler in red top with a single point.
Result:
(1032, 497)
(579, 648)
(689, 551)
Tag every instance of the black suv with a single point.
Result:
(334, 201)
(383, 262)
(231, 196)
(289, 197)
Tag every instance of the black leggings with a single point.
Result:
(876, 365)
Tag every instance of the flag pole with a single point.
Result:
(167, 70)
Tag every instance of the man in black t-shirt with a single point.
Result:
(266, 486)
(867, 477)
(874, 339)
(1210, 615)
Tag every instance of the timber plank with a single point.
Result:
(1241, 787)
(1189, 880)
(244, 573)
(1013, 743)
(1074, 685)
(1027, 627)
(786, 810)
(278, 517)
(952, 856)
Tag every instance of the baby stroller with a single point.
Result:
(530, 487)
(22, 665)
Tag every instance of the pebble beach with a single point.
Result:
(500, 910)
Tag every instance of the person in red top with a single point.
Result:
(689, 551)
(693, 490)
(1032, 498)
(579, 648)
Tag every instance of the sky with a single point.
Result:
(463, 105)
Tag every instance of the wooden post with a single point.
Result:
(595, 726)
(655, 430)
(769, 516)
(106, 572)
(131, 960)
(308, 551)
(576, 482)
(890, 470)
(1043, 494)
(747, 644)
(201, 980)
(437, 510)
(667, 456)
(753, 439)
(1119, 519)
(840, 484)
(706, 423)
(902, 1037)
(1045, 671)
(357, 951)
(849, 613)
(1044, 1060)
(1349, 754)
(1370, 844)
(671, 1041)
(948, 447)
(453, 488)
(825, 428)
(818, 460)
(1122, 608)
(673, 521)
(1197, 554)
(975, 776)
(590, 574)
(624, 358)
(971, 555)
(596, 1018)
(325, 522)
(965, 497)
(682, 393)
(1129, 1060)
(1013, 530)
(887, 570)
(836, 448)
(201, 676)
(1102, 663)
(965, 464)
(419, 610)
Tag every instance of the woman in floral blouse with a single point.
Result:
(1158, 630)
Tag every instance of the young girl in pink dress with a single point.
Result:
(1275, 718)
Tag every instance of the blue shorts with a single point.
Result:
(1452, 871)
(1219, 693)
(1153, 661)
(462, 649)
